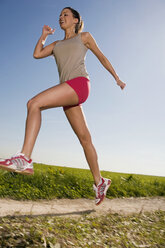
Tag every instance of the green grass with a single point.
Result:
(51, 182)
(108, 231)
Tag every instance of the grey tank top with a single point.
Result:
(70, 58)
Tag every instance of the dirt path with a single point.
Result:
(77, 207)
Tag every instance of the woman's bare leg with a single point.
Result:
(78, 123)
(57, 96)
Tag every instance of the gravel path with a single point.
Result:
(77, 207)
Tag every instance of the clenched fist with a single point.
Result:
(47, 30)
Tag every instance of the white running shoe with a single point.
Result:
(101, 189)
(18, 163)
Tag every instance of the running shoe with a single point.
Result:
(18, 163)
(101, 189)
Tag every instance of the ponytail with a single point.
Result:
(79, 27)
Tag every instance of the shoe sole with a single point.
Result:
(105, 191)
(3, 167)
(13, 170)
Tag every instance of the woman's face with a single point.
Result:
(66, 19)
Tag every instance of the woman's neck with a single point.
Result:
(69, 34)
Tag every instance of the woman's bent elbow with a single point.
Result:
(35, 56)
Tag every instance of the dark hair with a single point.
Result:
(80, 25)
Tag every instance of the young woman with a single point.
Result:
(70, 93)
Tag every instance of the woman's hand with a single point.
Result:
(120, 83)
(47, 30)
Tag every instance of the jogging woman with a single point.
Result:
(70, 93)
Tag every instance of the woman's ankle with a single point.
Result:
(27, 155)
(97, 180)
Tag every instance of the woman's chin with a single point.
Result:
(62, 26)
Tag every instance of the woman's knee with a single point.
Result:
(85, 139)
(32, 104)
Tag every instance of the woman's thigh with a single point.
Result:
(56, 96)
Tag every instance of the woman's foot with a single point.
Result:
(101, 189)
(18, 163)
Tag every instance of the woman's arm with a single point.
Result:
(40, 51)
(91, 44)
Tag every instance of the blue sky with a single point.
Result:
(127, 127)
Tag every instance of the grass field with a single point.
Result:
(49, 182)
(107, 231)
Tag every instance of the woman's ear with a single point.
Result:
(75, 20)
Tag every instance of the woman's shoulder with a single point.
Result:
(53, 44)
(87, 39)
(85, 36)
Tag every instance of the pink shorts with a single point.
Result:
(81, 85)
